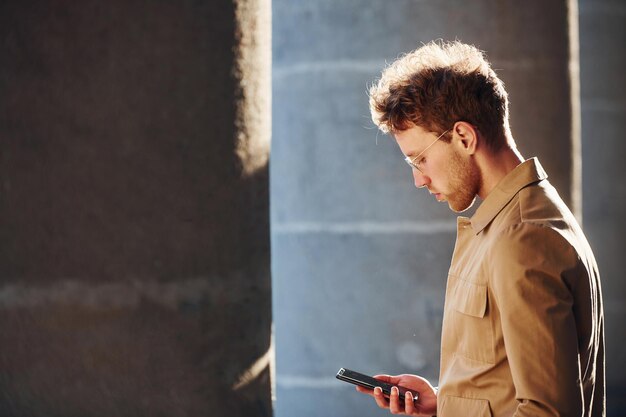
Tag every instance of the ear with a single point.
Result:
(466, 136)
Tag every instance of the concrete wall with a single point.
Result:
(603, 99)
(359, 256)
(134, 237)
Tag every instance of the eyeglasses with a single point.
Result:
(415, 161)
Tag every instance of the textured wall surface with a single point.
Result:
(134, 254)
(359, 256)
(603, 101)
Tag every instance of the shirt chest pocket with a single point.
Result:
(471, 322)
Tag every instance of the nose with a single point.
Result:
(420, 179)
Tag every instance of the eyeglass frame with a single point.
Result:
(411, 160)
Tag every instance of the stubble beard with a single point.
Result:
(465, 182)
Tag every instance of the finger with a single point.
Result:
(390, 379)
(409, 405)
(364, 390)
(395, 405)
(380, 398)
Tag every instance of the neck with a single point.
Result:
(495, 166)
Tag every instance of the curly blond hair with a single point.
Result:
(437, 85)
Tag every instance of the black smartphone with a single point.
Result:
(366, 381)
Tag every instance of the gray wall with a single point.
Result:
(134, 255)
(603, 100)
(359, 257)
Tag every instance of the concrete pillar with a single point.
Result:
(134, 214)
(359, 256)
(603, 99)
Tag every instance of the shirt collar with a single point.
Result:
(526, 173)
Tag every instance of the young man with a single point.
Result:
(523, 331)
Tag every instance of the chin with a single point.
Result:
(460, 207)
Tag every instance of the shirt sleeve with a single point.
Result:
(533, 274)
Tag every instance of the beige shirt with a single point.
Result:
(523, 326)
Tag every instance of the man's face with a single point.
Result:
(447, 172)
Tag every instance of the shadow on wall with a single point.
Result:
(134, 256)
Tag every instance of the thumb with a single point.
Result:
(384, 378)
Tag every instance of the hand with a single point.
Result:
(425, 405)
